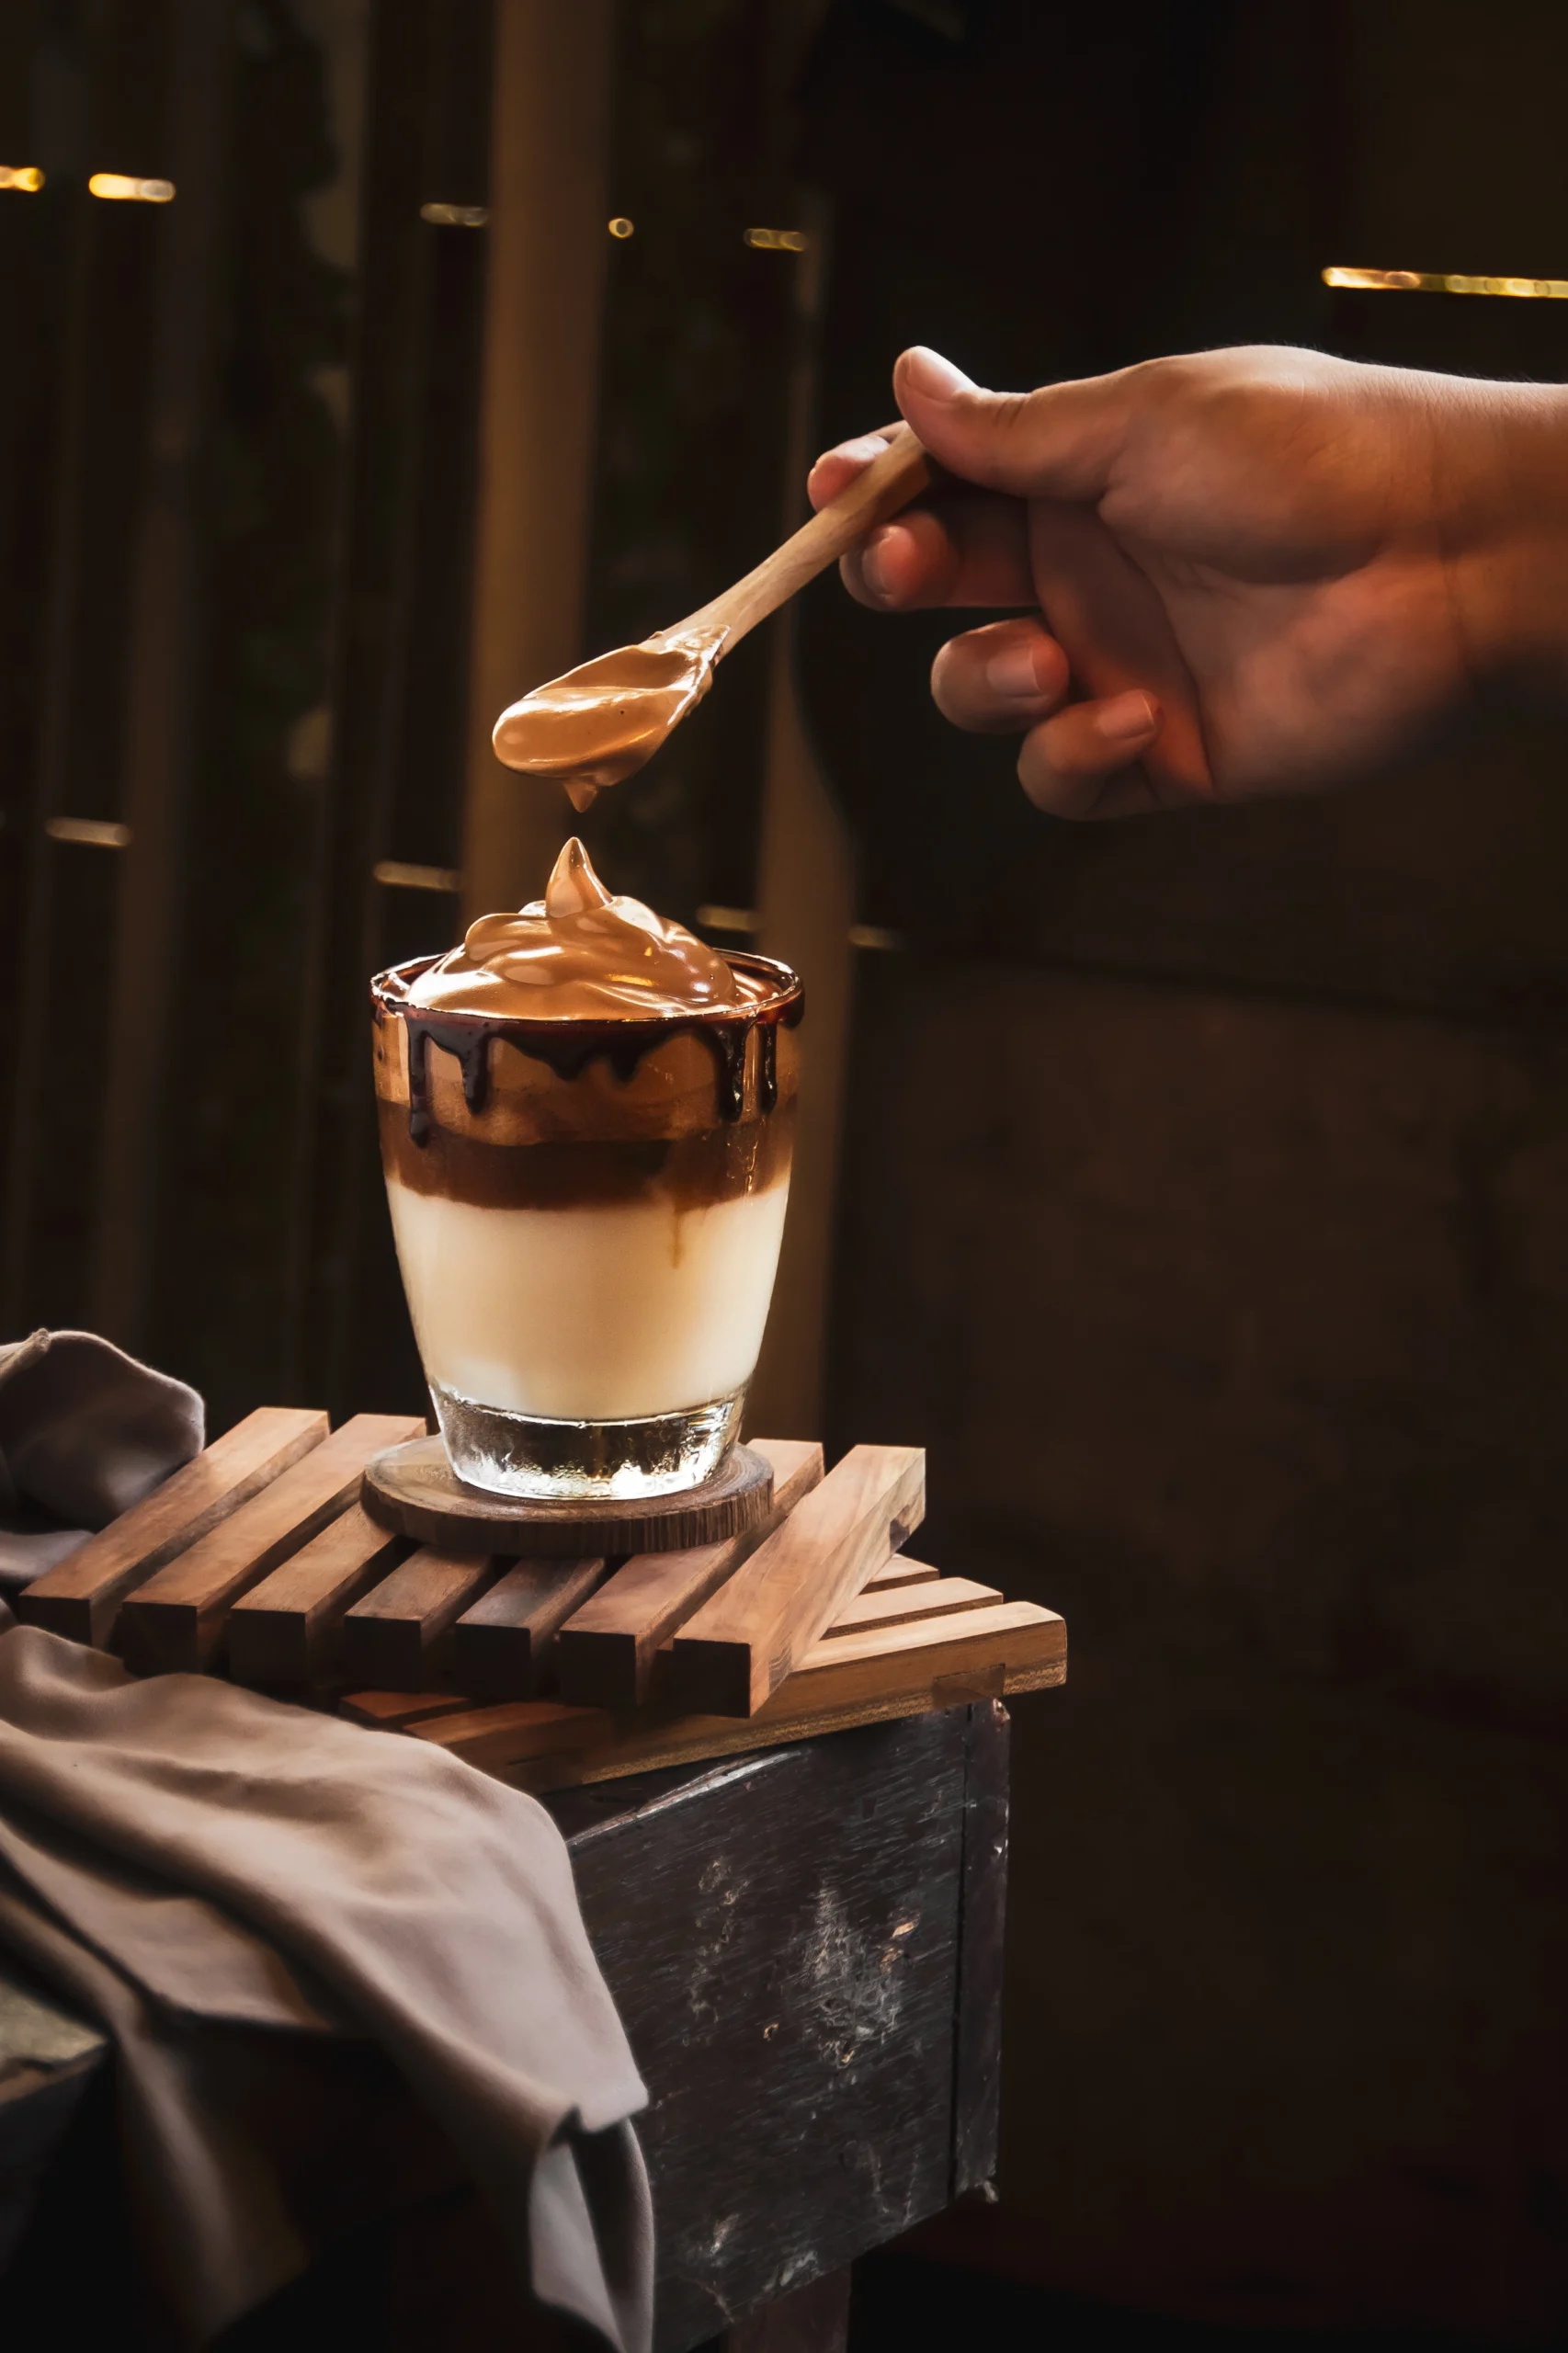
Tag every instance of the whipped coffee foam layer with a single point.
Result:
(600, 724)
(581, 954)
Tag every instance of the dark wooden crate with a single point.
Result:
(805, 1946)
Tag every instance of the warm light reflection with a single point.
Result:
(96, 833)
(1421, 281)
(455, 216)
(620, 226)
(872, 935)
(399, 876)
(118, 189)
(26, 177)
(777, 241)
(729, 918)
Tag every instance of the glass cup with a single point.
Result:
(587, 1217)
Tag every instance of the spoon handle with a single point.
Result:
(889, 483)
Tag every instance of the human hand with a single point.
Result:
(1252, 572)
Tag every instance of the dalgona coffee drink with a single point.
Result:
(587, 1118)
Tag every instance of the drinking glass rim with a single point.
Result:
(389, 995)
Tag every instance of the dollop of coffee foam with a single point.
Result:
(600, 723)
(581, 954)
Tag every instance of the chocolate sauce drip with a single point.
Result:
(568, 1047)
(728, 1047)
(467, 1042)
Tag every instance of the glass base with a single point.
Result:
(514, 1454)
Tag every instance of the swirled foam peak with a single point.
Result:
(581, 954)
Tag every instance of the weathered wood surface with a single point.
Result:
(786, 1939)
(606, 1654)
(395, 1637)
(288, 1630)
(789, 1979)
(81, 1597)
(977, 2056)
(813, 2319)
(175, 1620)
(847, 1680)
(734, 1652)
(508, 1643)
(414, 1489)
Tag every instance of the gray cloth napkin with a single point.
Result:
(85, 1432)
(215, 1875)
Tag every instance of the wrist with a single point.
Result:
(1506, 539)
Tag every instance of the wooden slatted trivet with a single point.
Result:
(261, 1561)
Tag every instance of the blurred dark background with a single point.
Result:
(1196, 1191)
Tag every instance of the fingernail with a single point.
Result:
(872, 571)
(1011, 672)
(929, 373)
(1126, 717)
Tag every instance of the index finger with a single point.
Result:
(837, 467)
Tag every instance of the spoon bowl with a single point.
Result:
(601, 721)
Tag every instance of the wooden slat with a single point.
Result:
(734, 1652)
(175, 1620)
(857, 1679)
(288, 1630)
(82, 1597)
(393, 1639)
(606, 1654)
(936, 1597)
(505, 1645)
(395, 1710)
(899, 1570)
(926, 1594)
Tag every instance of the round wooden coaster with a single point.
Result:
(412, 1488)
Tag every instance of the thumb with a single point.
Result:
(1059, 442)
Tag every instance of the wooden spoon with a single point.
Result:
(602, 721)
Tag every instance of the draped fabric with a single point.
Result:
(246, 1894)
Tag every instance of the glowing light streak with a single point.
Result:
(116, 188)
(93, 833)
(1421, 281)
(399, 876)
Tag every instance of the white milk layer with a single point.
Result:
(608, 1313)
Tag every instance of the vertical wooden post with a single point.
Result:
(24, 1157)
(807, 905)
(161, 666)
(549, 206)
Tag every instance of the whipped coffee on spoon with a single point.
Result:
(600, 723)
